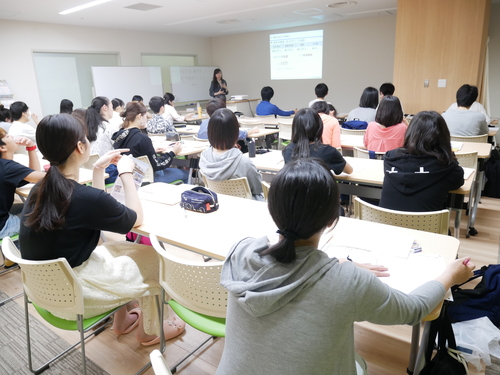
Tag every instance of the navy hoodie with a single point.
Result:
(417, 183)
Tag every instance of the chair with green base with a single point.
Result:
(197, 296)
(8, 266)
(52, 285)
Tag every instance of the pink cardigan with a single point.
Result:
(331, 130)
(381, 139)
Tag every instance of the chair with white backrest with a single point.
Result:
(195, 137)
(158, 363)
(352, 131)
(431, 221)
(285, 131)
(150, 174)
(473, 138)
(90, 163)
(236, 187)
(467, 159)
(365, 154)
(7, 266)
(196, 294)
(265, 117)
(52, 286)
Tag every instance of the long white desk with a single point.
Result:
(215, 233)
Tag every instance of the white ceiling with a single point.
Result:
(194, 17)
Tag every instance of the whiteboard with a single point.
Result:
(124, 82)
(191, 83)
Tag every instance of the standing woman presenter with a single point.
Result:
(218, 87)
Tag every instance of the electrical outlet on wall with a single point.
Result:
(441, 83)
(426, 83)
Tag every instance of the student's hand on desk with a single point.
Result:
(110, 157)
(378, 270)
(253, 131)
(177, 148)
(295, 110)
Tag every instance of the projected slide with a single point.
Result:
(297, 55)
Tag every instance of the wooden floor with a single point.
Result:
(384, 348)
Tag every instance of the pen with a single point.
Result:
(465, 262)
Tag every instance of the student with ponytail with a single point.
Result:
(307, 132)
(131, 137)
(62, 218)
(291, 309)
(99, 131)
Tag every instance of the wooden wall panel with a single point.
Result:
(438, 39)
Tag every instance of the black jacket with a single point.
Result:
(140, 144)
(417, 183)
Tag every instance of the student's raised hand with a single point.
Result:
(34, 117)
(460, 270)
(23, 141)
(110, 157)
(378, 270)
(125, 165)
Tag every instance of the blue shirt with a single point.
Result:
(266, 108)
(203, 132)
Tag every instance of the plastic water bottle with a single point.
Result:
(251, 148)
(198, 108)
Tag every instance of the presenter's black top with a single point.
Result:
(216, 88)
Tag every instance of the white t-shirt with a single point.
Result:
(103, 143)
(317, 100)
(171, 115)
(476, 107)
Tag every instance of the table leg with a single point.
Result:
(473, 209)
(420, 361)
(415, 335)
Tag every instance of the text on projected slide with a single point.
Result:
(297, 55)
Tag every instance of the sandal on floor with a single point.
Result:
(171, 329)
(137, 312)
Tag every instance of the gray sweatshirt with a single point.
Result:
(230, 164)
(298, 318)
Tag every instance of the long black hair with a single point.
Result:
(307, 127)
(303, 200)
(428, 134)
(215, 82)
(57, 136)
(93, 116)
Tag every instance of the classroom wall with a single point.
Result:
(357, 54)
(20, 39)
(494, 62)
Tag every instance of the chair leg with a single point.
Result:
(82, 342)
(10, 299)
(173, 369)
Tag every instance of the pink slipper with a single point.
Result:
(137, 312)
(171, 329)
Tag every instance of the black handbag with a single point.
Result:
(448, 360)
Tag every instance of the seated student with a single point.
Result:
(387, 132)
(212, 106)
(292, 292)
(475, 106)
(118, 106)
(100, 131)
(66, 106)
(331, 127)
(222, 160)
(138, 98)
(386, 89)
(5, 118)
(333, 111)
(157, 124)
(12, 176)
(265, 108)
(321, 90)
(307, 130)
(139, 144)
(62, 218)
(419, 175)
(170, 113)
(367, 106)
(462, 121)
(21, 115)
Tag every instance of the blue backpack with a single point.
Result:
(355, 125)
(483, 300)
